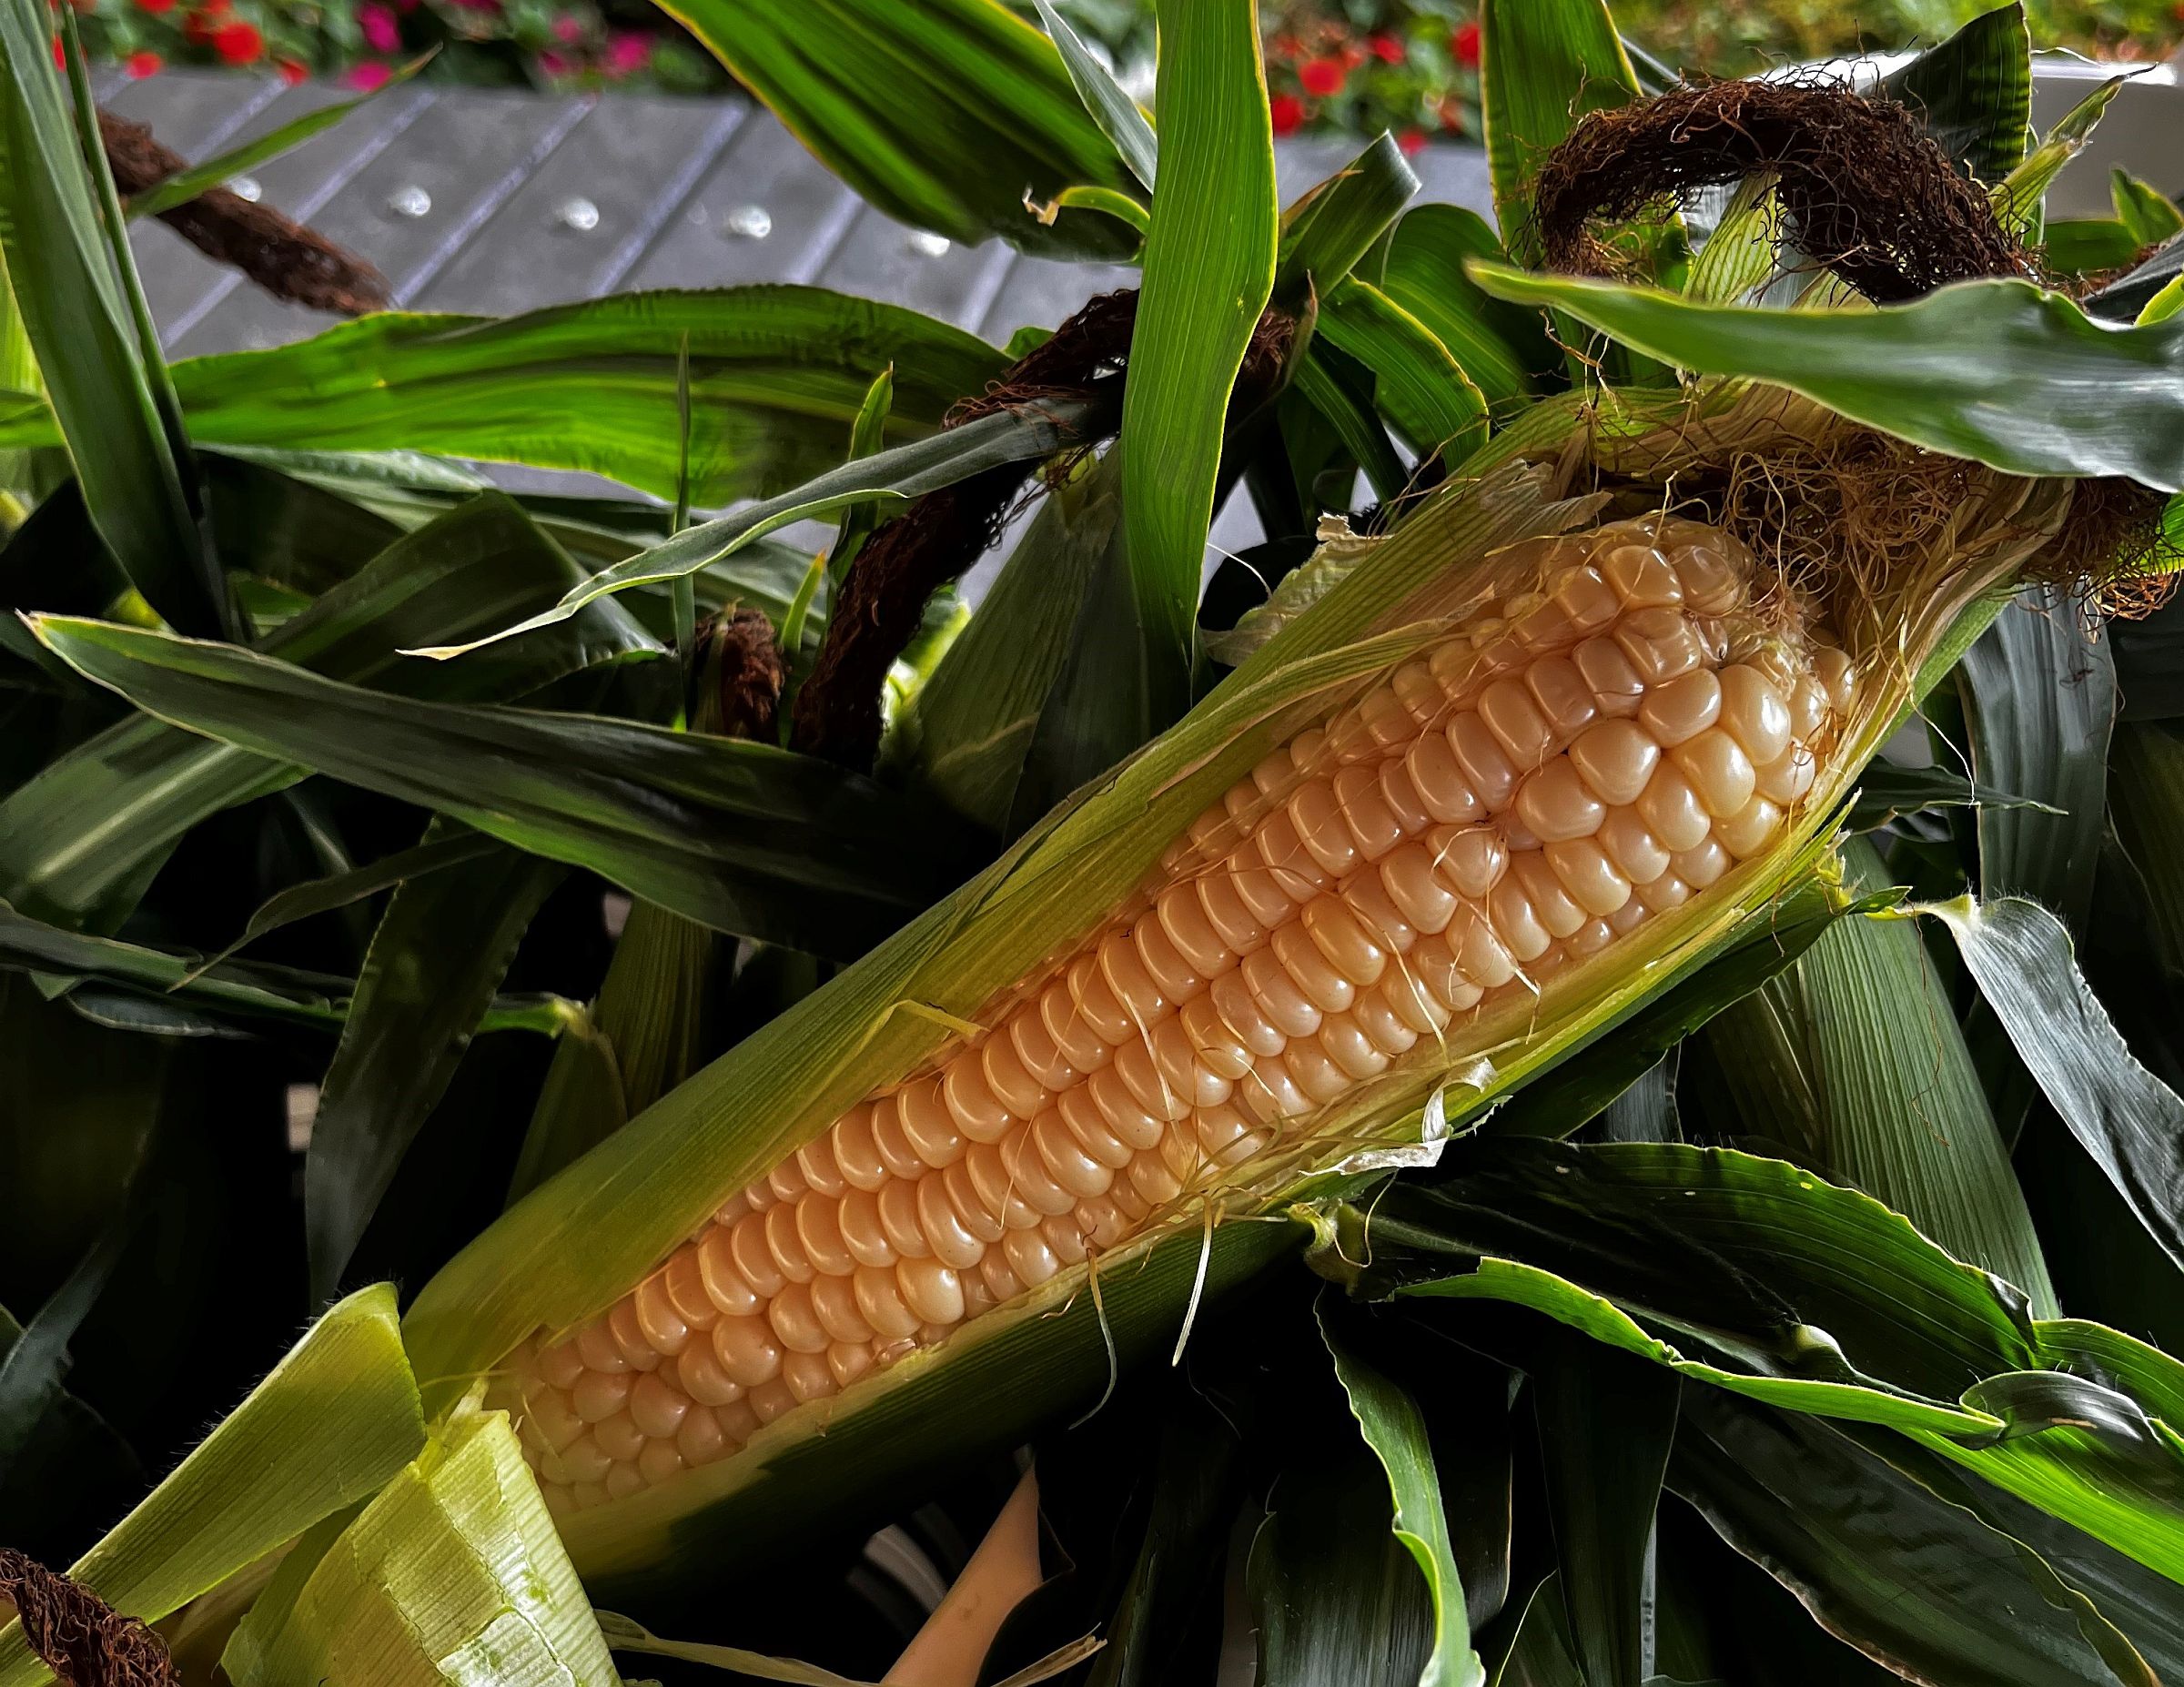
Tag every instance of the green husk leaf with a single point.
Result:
(336, 1419)
(1116, 112)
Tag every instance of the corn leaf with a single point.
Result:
(36, 1361)
(1974, 91)
(740, 836)
(335, 1419)
(77, 839)
(1114, 111)
(1886, 1562)
(1888, 789)
(2147, 215)
(1789, 1291)
(239, 989)
(903, 473)
(2088, 245)
(1606, 1422)
(1395, 1430)
(1418, 385)
(452, 1573)
(1544, 64)
(81, 330)
(2131, 1122)
(776, 375)
(947, 114)
(1503, 348)
(1335, 225)
(198, 178)
(2019, 197)
(1998, 371)
(1208, 269)
(1854, 1057)
(439, 953)
(2147, 788)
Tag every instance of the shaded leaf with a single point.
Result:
(1116, 112)
(1974, 92)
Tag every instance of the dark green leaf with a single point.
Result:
(1504, 348)
(741, 836)
(947, 114)
(2147, 215)
(75, 840)
(1607, 1421)
(1116, 112)
(81, 329)
(2086, 246)
(1887, 789)
(777, 374)
(1544, 64)
(1999, 371)
(440, 954)
(1891, 1565)
(36, 1363)
(1326, 233)
(2131, 1122)
(1418, 384)
(1974, 91)
(1395, 1431)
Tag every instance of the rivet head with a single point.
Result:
(410, 200)
(244, 188)
(926, 244)
(579, 214)
(753, 222)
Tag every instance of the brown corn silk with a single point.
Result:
(1605, 729)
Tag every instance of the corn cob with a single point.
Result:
(1583, 753)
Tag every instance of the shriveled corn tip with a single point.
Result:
(1577, 757)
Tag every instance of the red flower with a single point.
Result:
(1288, 46)
(1464, 44)
(1287, 112)
(376, 23)
(1353, 55)
(291, 72)
(1389, 51)
(1322, 76)
(158, 8)
(60, 57)
(1410, 140)
(238, 43)
(368, 76)
(552, 64)
(143, 65)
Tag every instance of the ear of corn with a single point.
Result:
(1588, 763)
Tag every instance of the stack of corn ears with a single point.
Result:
(1485, 788)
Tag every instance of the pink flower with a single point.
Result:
(381, 32)
(628, 51)
(366, 77)
(552, 64)
(568, 30)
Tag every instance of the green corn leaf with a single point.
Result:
(1503, 348)
(1888, 789)
(1395, 1430)
(80, 328)
(2146, 790)
(1998, 371)
(2086, 246)
(1544, 64)
(1887, 1563)
(76, 840)
(452, 1573)
(2147, 215)
(2019, 197)
(1208, 269)
(1606, 1423)
(2131, 1122)
(947, 114)
(1116, 112)
(1740, 254)
(1786, 1289)
(439, 953)
(1854, 1057)
(335, 1419)
(867, 435)
(1418, 385)
(189, 183)
(1326, 384)
(777, 374)
(1974, 92)
(903, 473)
(1330, 231)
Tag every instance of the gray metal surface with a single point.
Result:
(481, 200)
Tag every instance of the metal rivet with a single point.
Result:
(410, 200)
(929, 245)
(244, 188)
(581, 214)
(753, 222)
